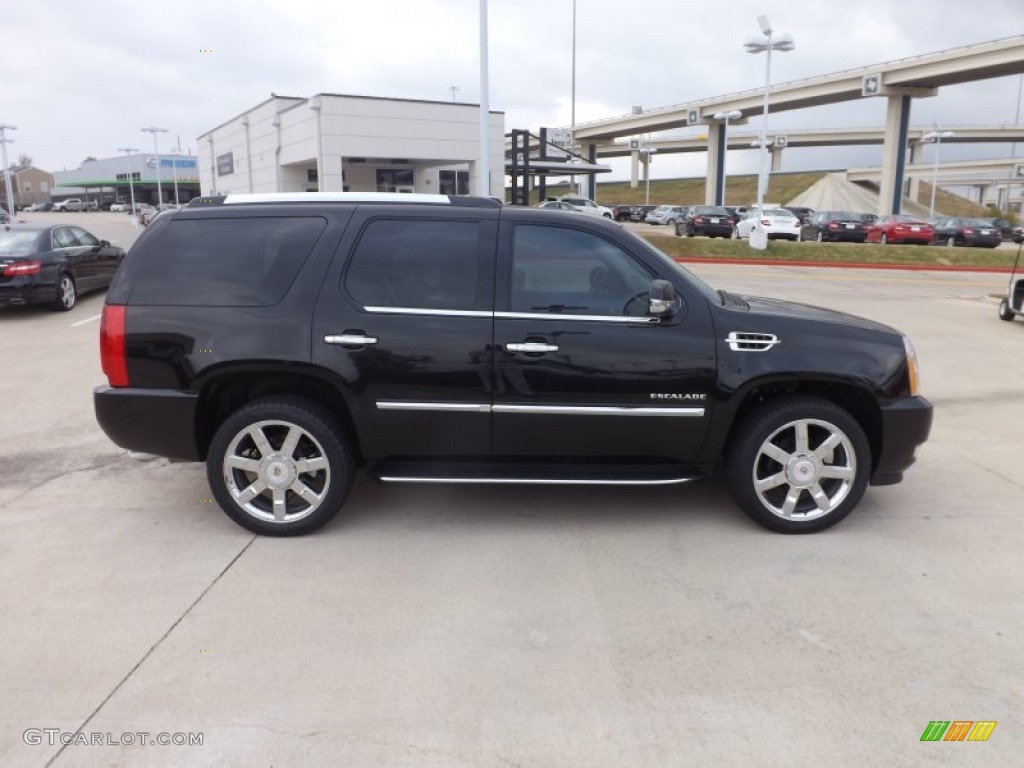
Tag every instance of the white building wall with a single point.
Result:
(320, 133)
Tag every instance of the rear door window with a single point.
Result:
(416, 264)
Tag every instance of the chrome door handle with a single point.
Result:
(530, 346)
(350, 339)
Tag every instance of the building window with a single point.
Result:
(453, 182)
(136, 176)
(394, 179)
(311, 175)
(28, 188)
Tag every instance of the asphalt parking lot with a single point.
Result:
(460, 626)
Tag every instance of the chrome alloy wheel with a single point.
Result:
(276, 471)
(804, 470)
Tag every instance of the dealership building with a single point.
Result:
(337, 143)
(115, 178)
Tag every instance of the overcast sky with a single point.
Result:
(81, 78)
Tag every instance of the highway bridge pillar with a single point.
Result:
(592, 177)
(714, 186)
(914, 185)
(894, 151)
(634, 169)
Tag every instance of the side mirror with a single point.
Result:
(662, 299)
(104, 243)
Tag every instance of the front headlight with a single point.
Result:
(911, 365)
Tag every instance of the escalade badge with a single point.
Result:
(678, 396)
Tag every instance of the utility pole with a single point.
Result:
(156, 150)
(4, 141)
(131, 185)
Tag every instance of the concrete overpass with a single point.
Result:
(897, 81)
(814, 137)
(980, 174)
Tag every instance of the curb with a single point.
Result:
(843, 265)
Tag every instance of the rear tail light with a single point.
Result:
(25, 267)
(968, 231)
(766, 222)
(833, 225)
(112, 354)
(698, 220)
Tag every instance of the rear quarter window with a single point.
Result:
(229, 262)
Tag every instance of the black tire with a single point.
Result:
(777, 421)
(607, 215)
(67, 293)
(678, 233)
(1005, 313)
(320, 441)
(689, 231)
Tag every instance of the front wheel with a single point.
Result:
(798, 465)
(1005, 313)
(279, 466)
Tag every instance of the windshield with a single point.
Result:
(779, 213)
(706, 290)
(18, 243)
(977, 223)
(663, 208)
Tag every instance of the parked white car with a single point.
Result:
(666, 214)
(586, 205)
(71, 204)
(778, 223)
(119, 207)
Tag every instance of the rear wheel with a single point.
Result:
(798, 465)
(280, 466)
(67, 294)
(1005, 313)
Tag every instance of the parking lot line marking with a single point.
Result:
(87, 320)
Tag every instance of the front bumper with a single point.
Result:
(157, 421)
(905, 425)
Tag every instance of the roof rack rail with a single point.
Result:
(462, 201)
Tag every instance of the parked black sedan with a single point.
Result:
(710, 220)
(967, 232)
(53, 264)
(834, 225)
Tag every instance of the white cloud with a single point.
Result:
(82, 78)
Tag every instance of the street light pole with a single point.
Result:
(156, 150)
(131, 185)
(4, 141)
(936, 136)
(725, 117)
(765, 44)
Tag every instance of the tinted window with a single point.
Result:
(63, 238)
(18, 242)
(421, 264)
(84, 238)
(565, 270)
(244, 262)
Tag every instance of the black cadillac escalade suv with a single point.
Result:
(286, 340)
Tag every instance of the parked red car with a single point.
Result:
(900, 228)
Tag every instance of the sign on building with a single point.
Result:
(226, 164)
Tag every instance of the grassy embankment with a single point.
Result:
(782, 188)
(859, 253)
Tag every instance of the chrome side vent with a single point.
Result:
(739, 341)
